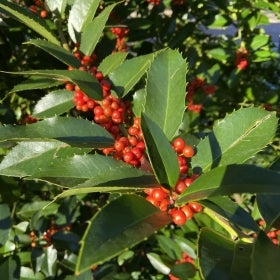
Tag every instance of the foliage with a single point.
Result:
(136, 143)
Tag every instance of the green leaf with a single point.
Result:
(231, 211)
(28, 158)
(219, 21)
(35, 82)
(121, 224)
(111, 62)
(158, 263)
(29, 209)
(27, 273)
(81, 14)
(162, 157)
(54, 103)
(58, 52)
(265, 259)
(29, 19)
(127, 75)
(5, 223)
(259, 41)
(166, 88)
(139, 98)
(86, 82)
(93, 31)
(227, 180)
(269, 208)
(235, 138)
(10, 267)
(218, 54)
(183, 271)
(73, 131)
(57, 6)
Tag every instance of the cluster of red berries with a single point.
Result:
(273, 235)
(164, 199)
(120, 33)
(46, 239)
(38, 8)
(241, 60)
(154, 2)
(198, 83)
(185, 259)
(28, 119)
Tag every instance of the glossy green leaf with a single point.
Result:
(158, 263)
(29, 209)
(121, 224)
(166, 89)
(183, 271)
(259, 41)
(35, 82)
(265, 259)
(93, 31)
(57, 6)
(219, 21)
(86, 82)
(5, 223)
(111, 62)
(58, 52)
(162, 157)
(128, 74)
(218, 54)
(28, 18)
(80, 15)
(269, 208)
(231, 211)
(28, 158)
(27, 273)
(73, 131)
(54, 103)
(49, 261)
(227, 180)
(10, 267)
(235, 138)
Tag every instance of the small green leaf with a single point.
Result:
(73, 131)
(218, 54)
(54, 103)
(166, 87)
(183, 271)
(92, 32)
(259, 41)
(227, 180)
(111, 62)
(86, 82)
(235, 138)
(162, 157)
(35, 82)
(121, 224)
(58, 52)
(81, 14)
(127, 75)
(5, 223)
(265, 259)
(158, 263)
(28, 18)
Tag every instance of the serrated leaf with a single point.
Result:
(73, 131)
(92, 31)
(111, 62)
(121, 224)
(35, 82)
(127, 75)
(28, 18)
(81, 13)
(265, 259)
(235, 138)
(5, 223)
(162, 157)
(54, 103)
(227, 180)
(28, 158)
(58, 52)
(86, 82)
(166, 87)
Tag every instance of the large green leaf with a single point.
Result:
(162, 157)
(35, 82)
(92, 32)
(86, 82)
(222, 258)
(121, 224)
(235, 138)
(227, 180)
(54, 103)
(57, 6)
(73, 131)
(166, 90)
(111, 62)
(265, 259)
(5, 223)
(29, 19)
(28, 158)
(10, 267)
(81, 14)
(58, 52)
(127, 75)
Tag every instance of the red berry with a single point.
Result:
(128, 157)
(179, 144)
(159, 194)
(188, 211)
(196, 207)
(119, 146)
(180, 187)
(188, 151)
(179, 217)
